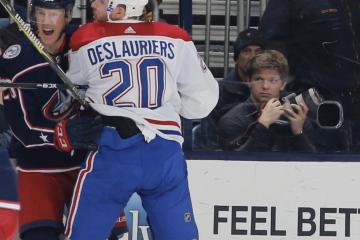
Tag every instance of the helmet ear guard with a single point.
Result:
(134, 8)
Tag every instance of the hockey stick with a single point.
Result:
(32, 85)
(40, 48)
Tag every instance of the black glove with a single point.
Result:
(78, 133)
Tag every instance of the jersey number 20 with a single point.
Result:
(150, 75)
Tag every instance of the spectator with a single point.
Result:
(233, 89)
(256, 123)
(321, 39)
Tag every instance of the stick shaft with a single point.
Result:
(33, 85)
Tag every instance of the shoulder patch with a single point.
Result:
(12, 51)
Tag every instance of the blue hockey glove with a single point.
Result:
(77, 133)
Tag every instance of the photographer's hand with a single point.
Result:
(271, 112)
(297, 115)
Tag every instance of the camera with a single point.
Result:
(311, 98)
(327, 114)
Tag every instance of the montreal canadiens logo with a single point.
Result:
(12, 51)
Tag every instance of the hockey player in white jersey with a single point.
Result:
(141, 77)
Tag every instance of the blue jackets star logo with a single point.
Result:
(44, 137)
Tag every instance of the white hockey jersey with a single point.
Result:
(150, 72)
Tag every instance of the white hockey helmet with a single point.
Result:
(134, 8)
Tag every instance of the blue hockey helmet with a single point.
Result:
(65, 4)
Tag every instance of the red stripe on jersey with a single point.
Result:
(159, 122)
(94, 31)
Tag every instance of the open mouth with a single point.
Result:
(48, 31)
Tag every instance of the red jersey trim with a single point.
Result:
(93, 31)
(159, 122)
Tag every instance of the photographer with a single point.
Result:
(262, 122)
(234, 88)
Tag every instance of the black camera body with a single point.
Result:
(311, 98)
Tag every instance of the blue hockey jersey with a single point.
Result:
(33, 113)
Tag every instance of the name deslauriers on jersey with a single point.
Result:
(129, 48)
(139, 67)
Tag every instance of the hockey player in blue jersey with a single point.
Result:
(141, 77)
(46, 176)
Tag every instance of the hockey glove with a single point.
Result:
(77, 133)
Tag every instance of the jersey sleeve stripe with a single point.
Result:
(40, 65)
(159, 122)
(9, 205)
